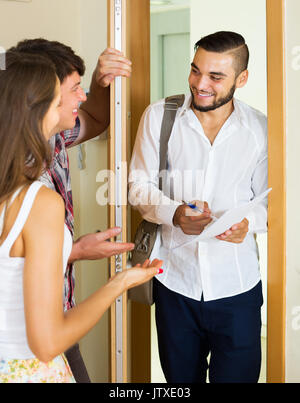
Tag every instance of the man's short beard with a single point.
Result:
(216, 104)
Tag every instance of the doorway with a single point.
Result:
(276, 292)
(174, 30)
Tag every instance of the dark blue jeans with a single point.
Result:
(229, 329)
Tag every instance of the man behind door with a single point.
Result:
(209, 298)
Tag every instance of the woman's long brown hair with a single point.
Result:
(27, 88)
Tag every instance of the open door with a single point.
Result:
(128, 31)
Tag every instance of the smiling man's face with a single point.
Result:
(212, 80)
(71, 96)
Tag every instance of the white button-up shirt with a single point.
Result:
(228, 173)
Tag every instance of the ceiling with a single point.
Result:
(163, 5)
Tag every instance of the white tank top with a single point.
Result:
(13, 340)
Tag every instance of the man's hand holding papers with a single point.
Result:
(235, 234)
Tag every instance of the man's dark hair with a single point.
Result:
(63, 57)
(227, 42)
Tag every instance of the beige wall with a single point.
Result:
(89, 215)
(293, 192)
(40, 18)
(82, 25)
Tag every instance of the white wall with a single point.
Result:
(82, 25)
(293, 192)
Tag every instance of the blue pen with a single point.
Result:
(194, 207)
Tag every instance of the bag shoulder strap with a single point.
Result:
(171, 106)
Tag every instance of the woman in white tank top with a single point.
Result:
(34, 329)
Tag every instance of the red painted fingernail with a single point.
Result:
(160, 271)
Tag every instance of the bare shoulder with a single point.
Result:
(48, 207)
(49, 199)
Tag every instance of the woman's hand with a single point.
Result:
(139, 274)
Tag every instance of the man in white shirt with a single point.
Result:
(209, 298)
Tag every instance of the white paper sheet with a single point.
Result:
(227, 220)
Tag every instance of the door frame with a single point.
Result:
(276, 287)
(118, 202)
(139, 11)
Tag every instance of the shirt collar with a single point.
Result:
(186, 105)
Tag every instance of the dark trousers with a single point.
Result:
(229, 329)
(77, 365)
